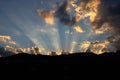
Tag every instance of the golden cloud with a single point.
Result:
(96, 47)
(7, 39)
(48, 16)
(103, 28)
(78, 29)
(85, 45)
(11, 49)
(87, 9)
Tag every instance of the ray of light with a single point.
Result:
(74, 41)
(53, 37)
(27, 28)
(49, 41)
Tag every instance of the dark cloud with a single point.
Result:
(63, 15)
(109, 12)
(9, 50)
(115, 41)
(4, 53)
(104, 16)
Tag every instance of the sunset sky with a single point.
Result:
(55, 25)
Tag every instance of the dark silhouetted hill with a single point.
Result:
(66, 66)
(76, 58)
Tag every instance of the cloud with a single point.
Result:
(33, 50)
(104, 16)
(48, 16)
(10, 49)
(85, 45)
(78, 29)
(7, 40)
(104, 28)
(77, 17)
(99, 47)
(87, 8)
(54, 53)
(108, 13)
(62, 13)
(7, 51)
(96, 47)
(115, 41)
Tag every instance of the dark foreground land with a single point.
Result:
(65, 66)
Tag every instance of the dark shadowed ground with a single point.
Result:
(65, 67)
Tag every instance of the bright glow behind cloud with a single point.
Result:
(71, 26)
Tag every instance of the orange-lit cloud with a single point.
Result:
(11, 49)
(52, 53)
(33, 50)
(104, 16)
(48, 16)
(87, 8)
(7, 39)
(100, 47)
(104, 28)
(85, 45)
(77, 17)
(95, 47)
(107, 19)
(78, 29)
(62, 13)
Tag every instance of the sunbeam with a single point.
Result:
(60, 26)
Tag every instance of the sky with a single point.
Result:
(55, 25)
